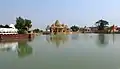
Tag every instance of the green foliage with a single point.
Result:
(74, 28)
(24, 49)
(36, 30)
(21, 31)
(6, 26)
(41, 30)
(23, 25)
(28, 24)
(101, 24)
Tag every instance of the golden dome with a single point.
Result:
(63, 25)
(57, 23)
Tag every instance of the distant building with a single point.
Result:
(118, 28)
(114, 28)
(88, 29)
(93, 29)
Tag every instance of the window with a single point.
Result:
(59, 31)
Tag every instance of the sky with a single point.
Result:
(70, 12)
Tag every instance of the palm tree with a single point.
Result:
(101, 24)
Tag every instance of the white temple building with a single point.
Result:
(11, 30)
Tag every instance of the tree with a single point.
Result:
(28, 24)
(1, 26)
(102, 40)
(101, 24)
(23, 25)
(24, 49)
(6, 26)
(74, 28)
(36, 30)
(19, 23)
(41, 30)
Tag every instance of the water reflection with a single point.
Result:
(75, 36)
(57, 39)
(113, 38)
(102, 40)
(8, 46)
(22, 48)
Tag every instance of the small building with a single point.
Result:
(59, 28)
(93, 29)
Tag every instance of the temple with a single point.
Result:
(10, 30)
(59, 28)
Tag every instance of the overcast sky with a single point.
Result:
(71, 12)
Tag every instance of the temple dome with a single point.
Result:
(57, 22)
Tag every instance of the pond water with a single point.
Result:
(76, 51)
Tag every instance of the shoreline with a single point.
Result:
(80, 33)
